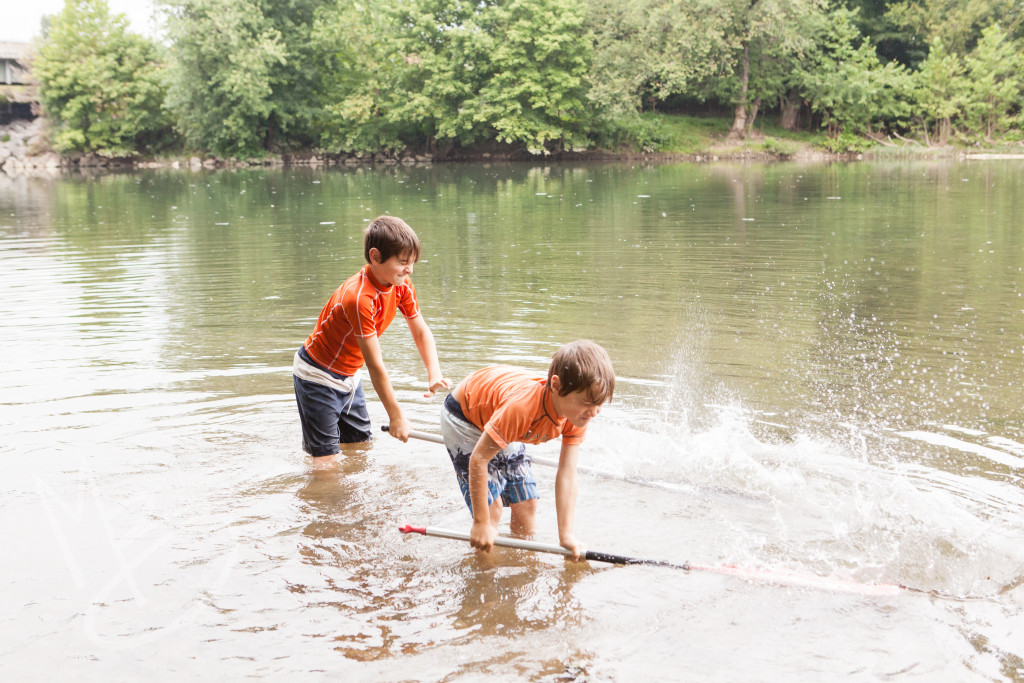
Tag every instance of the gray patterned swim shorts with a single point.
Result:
(508, 473)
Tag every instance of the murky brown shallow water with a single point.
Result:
(820, 367)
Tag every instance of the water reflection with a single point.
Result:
(512, 595)
(402, 607)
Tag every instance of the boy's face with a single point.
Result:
(576, 406)
(394, 270)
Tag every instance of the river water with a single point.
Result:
(819, 388)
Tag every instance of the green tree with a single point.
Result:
(101, 86)
(892, 42)
(510, 70)
(765, 75)
(403, 75)
(763, 34)
(846, 83)
(447, 45)
(958, 22)
(455, 72)
(654, 49)
(941, 91)
(241, 81)
(361, 80)
(538, 59)
(996, 71)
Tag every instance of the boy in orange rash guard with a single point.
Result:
(490, 415)
(328, 388)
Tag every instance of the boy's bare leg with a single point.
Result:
(495, 510)
(524, 516)
(324, 462)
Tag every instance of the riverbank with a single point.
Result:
(25, 150)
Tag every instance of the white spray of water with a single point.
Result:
(850, 503)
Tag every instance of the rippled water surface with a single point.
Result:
(819, 390)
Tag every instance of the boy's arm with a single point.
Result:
(483, 533)
(565, 499)
(424, 340)
(399, 427)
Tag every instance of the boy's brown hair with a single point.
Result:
(390, 236)
(583, 365)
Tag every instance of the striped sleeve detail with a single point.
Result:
(362, 312)
(341, 346)
(408, 304)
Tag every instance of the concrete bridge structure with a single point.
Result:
(19, 96)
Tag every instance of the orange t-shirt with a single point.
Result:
(361, 307)
(514, 405)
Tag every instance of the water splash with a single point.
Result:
(838, 499)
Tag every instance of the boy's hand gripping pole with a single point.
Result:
(424, 436)
(780, 577)
(507, 542)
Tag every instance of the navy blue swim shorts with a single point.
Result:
(332, 407)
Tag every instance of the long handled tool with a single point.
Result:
(507, 542)
(548, 462)
(775, 576)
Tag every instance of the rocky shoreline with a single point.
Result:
(25, 148)
(25, 151)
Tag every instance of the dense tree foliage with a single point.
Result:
(247, 77)
(996, 73)
(649, 50)
(959, 23)
(942, 92)
(455, 72)
(764, 35)
(240, 79)
(847, 84)
(360, 76)
(100, 84)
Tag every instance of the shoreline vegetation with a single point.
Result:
(25, 149)
(336, 82)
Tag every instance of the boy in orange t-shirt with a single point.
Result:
(490, 415)
(326, 369)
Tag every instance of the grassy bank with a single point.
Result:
(705, 137)
(686, 135)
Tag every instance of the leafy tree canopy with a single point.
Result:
(100, 84)
(455, 72)
(240, 75)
